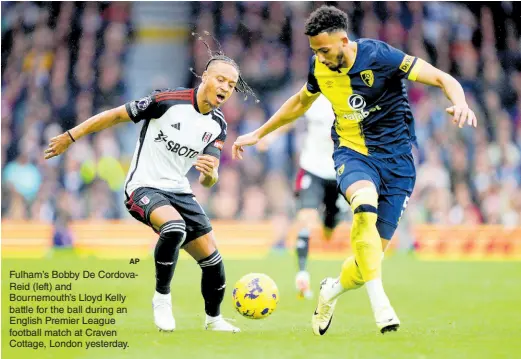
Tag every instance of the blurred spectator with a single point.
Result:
(23, 176)
(55, 78)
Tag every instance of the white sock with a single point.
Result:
(376, 293)
(161, 296)
(210, 319)
(333, 292)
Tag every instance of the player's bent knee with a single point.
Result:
(201, 247)
(173, 230)
(364, 200)
(354, 182)
(176, 225)
(163, 214)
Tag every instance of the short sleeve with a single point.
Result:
(143, 109)
(397, 63)
(312, 84)
(215, 147)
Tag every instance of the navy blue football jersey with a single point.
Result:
(373, 116)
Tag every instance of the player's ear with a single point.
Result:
(345, 41)
(204, 77)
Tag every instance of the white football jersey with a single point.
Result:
(174, 133)
(316, 155)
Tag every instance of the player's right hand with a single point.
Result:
(58, 145)
(248, 139)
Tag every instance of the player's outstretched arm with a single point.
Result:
(292, 109)
(460, 111)
(99, 122)
(267, 141)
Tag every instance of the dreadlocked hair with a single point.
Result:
(241, 87)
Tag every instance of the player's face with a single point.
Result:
(329, 48)
(219, 82)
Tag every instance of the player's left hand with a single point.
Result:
(462, 114)
(206, 164)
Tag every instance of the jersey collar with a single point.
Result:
(194, 99)
(346, 70)
(194, 102)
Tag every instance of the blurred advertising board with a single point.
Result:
(122, 239)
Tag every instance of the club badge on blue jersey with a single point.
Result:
(367, 77)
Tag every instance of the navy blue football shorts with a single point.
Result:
(393, 178)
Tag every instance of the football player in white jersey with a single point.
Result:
(181, 128)
(315, 186)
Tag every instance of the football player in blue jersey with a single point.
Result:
(373, 134)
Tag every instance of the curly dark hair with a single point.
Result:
(326, 19)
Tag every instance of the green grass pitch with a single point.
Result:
(448, 310)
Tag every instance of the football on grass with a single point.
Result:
(255, 296)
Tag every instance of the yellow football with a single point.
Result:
(255, 296)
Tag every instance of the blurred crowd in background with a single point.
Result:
(64, 62)
(61, 64)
